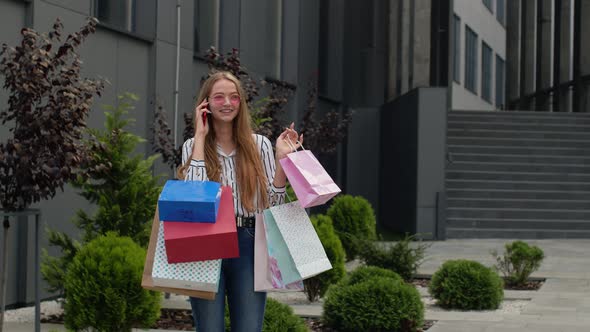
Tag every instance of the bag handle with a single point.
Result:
(292, 146)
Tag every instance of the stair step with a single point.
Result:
(518, 167)
(517, 176)
(519, 223)
(517, 213)
(517, 185)
(520, 116)
(566, 134)
(525, 151)
(520, 142)
(524, 125)
(511, 233)
(518, 194)
(519, 203)
(519, 158)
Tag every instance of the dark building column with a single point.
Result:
(584, 56)
(545, 55)
(528, 58)
(562, 54)
(513, 33)
(393, 46)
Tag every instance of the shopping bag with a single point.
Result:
(267, 276)
(310, 181)
(189, 201)
(298, 250)
(189, 242)
(202, 275)
(147, 281)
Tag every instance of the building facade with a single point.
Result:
(549, 64)
(399, 65)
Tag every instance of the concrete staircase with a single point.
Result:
(518, 175)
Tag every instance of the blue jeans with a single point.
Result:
(246, 307)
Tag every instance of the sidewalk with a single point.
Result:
(562, 304)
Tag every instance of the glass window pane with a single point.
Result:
(500, 11)
(128, 15)
(470, 60)
(486, 72)
(488, 3)
(457, 49)
(500, 84)
(205, 25)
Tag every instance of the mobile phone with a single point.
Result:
(206, 113)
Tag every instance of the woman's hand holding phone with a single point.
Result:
(201, 120)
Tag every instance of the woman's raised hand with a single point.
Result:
(201, 120)
(288, 142)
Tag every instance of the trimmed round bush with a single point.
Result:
(377, 304)
(103, 287)
(364, 273)
(278, 317)
(354, 222)
(467, 285)
(316, 287)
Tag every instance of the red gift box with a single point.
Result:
(190, 242)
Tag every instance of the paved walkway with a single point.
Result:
(562, 304)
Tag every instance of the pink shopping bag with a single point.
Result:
(267, 276)
(310, 181)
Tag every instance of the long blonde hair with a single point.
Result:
(249, 171)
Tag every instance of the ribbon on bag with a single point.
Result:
(311, 183)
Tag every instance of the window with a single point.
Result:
(488, 4)
(133, 16)
(486, 72)
(470, 60)
(457, 49)
(206, 21)
(500, 14)
(500, 102)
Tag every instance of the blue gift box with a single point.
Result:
(190, 201)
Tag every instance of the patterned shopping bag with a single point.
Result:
(147, 281)
(202, 275)
(298, 250)
(267, 275)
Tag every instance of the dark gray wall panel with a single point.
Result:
(82, 7)
(363, 155)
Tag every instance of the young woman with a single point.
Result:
(224, 149)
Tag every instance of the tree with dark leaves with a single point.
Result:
(48, 105)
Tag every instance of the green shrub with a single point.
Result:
(377, 304)
(467, 285)
(121, 184)
(103, 287)
(316, 287)
(354, 221)
(402, 257)
(518, 262)
(278, 317)
(364, 273)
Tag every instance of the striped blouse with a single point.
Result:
(198, 171)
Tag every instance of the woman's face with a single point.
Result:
(224, 101)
